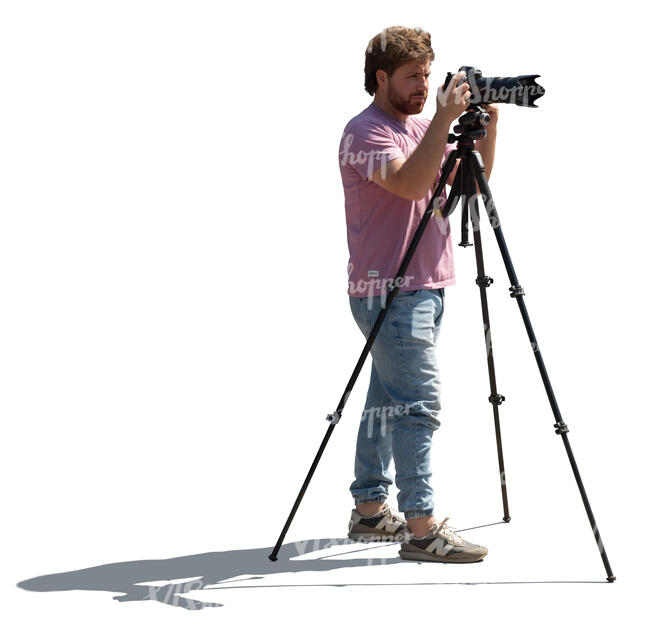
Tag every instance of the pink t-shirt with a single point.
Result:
(380, 225)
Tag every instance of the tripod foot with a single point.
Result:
(506, 518)
(611, 579)
(273, 558)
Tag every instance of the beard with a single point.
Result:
(405, 105)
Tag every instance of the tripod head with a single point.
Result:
(471, 125)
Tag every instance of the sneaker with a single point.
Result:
(441, 544)
(384, 526)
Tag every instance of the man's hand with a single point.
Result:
(493, 111)
(452, 102)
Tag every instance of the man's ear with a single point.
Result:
(381, 76)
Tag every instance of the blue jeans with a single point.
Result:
(403, 400)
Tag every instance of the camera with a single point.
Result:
(519, 90)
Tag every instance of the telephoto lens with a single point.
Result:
(519, 90)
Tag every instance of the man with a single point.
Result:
(390, 163)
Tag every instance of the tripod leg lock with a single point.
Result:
(496, 399)
(484, 281)
(334, 417)
(561, 428)
(517, 291)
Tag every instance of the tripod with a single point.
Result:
(470, 173)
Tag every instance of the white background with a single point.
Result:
(175, 325)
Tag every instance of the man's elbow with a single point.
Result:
(411, 195)
(418, 194)
(411, 191)
(400, 185)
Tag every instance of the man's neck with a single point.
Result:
(388, 108)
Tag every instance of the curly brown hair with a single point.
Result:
(393, 47)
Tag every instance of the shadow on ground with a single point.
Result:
(145, 580)
(167, 580)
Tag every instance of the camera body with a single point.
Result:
(519, 90)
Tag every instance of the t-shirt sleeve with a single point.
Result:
(366, 147)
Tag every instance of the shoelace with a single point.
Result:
(448, 534)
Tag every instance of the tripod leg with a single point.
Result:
(517, 292)
(465, 174)
(336, 416)
(483, 281)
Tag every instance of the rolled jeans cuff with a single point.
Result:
(376, 499)
(417, 513)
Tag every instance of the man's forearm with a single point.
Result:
(420, 169)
